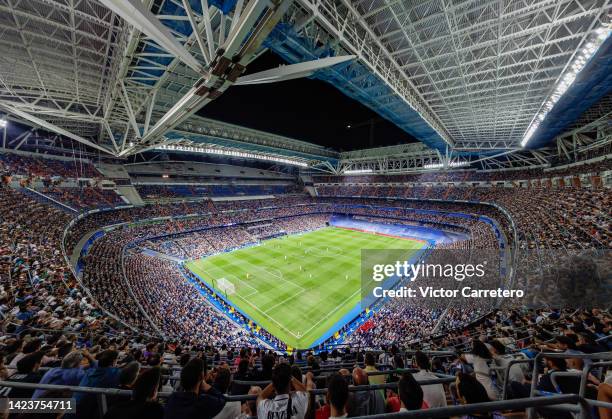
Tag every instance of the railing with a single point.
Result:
(584, 403)
(565, 401)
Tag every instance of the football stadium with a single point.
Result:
(306, 209)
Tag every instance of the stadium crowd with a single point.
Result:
(46, 168)
(133, 322)
(170, 380)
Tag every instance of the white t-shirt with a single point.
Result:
(516, 372)
(231, 410)
(277, 408)
(433, 394)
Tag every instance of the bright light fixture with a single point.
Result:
(3, 123)
(451, 164)
(231, 153)
(358, 171)
(586, 53)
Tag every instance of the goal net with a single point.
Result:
(225, 286)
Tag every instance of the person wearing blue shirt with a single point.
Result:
(70, 373)
(104, 375)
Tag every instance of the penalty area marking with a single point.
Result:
(235, 278)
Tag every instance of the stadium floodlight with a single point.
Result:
(450, 164)
(231, 153)
(358, 171)
(3, 123)
(582, 58)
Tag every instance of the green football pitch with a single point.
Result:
(296, 287)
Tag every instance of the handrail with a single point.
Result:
(564, 355)
(461, 410)
(165, 394)
(507, 373)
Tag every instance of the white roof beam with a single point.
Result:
(134, 12)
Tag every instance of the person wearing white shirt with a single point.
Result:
(287, 404)
(480, 358)
(433, 394)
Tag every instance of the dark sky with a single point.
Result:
(305, 109)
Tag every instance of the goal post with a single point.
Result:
(225, 286)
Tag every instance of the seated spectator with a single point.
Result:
(222, 382)
(365, 402)
(434, 394)
(104, 375)
(27, 372)
(144, 402)
(290, 398)
(249, 409)
(604, 394)
(479, 358)
(337, 398)
(242, 374)
(127, 378)
(470, 391)
(410, 393)
(267, 365)
(70, 373)
(198, 399)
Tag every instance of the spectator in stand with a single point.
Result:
(27, 372)
(479, 357)
(198, 399)
(290, 397)
(127, 378)
(470, 391)
(365, 402)
(370, 367)
(337, 398)
(222, 381)
(410, 393)
(70, 373)
(433, 395)
(104, 375)
(143, 403)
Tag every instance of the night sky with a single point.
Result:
(304, 109)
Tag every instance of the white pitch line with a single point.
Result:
(330, 313)
(291, 297)
(268, 317)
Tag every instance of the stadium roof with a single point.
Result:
(126, 76)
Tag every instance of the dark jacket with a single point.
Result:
(188, 405)
(135, 410)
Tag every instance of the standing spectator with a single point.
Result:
(370, 367)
